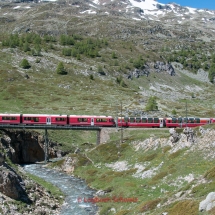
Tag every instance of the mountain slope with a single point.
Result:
(136, 53)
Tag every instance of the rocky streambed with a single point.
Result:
(74, 189)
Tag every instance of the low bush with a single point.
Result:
(184, 207)
(175, 154)
(150, 205)
(210, 174)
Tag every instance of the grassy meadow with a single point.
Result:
(167, 189)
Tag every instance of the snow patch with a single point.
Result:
(191, 10)
(16, 7)
(88, 11)
(145, 5)
(95, 1)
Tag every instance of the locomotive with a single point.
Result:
(102, 121)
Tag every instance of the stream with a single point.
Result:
(74, 189)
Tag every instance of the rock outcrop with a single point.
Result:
(26, 146)
(174, 135)
(208, 203)
(2, 158)
(12, 185)
(23, 147)
(161, 66)
(154, 67)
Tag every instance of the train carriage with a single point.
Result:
(44, 119)
(145, 122)
(87, 120)
(11, 119)
(186, 122)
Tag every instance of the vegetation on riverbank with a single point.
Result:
(50, 188)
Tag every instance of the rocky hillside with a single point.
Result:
(153, 172)
(19, 194)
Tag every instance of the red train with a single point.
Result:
(45, 119)
(102, 121)
(170, 122)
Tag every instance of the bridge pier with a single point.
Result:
(46, 147)
(98, 136)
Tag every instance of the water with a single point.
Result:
(74, 189)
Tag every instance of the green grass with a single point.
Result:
(47, 92)
(147, 190)
(70, 140)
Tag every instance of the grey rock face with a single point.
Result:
(208, 203)
(26, 147)
(175, 137)
(157, 67)
(2, 158)
(161, 66)
(11, 185)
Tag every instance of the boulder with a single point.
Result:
(208, 203)
(189, 132)
(12, 186)
(175, 137)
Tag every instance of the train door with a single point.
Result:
(48, 120)
(161, 123)
(92, 121)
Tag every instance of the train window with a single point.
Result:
(111, 120)
(179, 120)
(9, 118)
(191, 120)
(132, 119)
(144, 120)
(197, 120)
(156, 120)
(126, 119)
(174, 120)
(35, 119)
(101, 120)
(138, 120)
(60, 119)
(150, 120)
(82, 119)
(186, 120)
